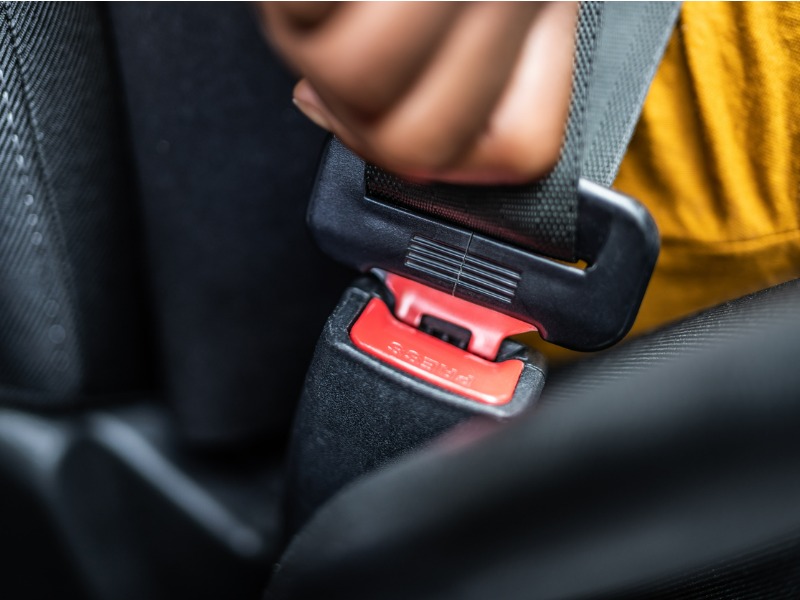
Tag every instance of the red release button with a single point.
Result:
(379, 333)
(489, 328)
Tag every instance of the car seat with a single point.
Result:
(160, 300)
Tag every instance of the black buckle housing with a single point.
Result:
(581, 309)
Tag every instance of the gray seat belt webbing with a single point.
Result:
(629, 48)
(618, 48)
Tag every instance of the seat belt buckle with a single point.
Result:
(452, 344)
(427, 342)
(388, 375)
(581, 309)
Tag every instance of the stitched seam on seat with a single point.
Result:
(37, 159)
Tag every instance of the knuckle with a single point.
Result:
(416, 146)
(530, 154)
(356, 84)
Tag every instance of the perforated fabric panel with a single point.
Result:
(70, 316)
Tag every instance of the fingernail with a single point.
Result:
(313, 113)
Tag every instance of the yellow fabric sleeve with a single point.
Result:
(716, 158)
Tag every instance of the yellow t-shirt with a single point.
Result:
(716, 158)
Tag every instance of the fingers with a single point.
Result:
(523, 139)
(437, 121)
(475, 93)
(365, 55)
(304, 15)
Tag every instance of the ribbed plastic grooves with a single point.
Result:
(462, 269)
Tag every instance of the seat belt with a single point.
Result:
(609, 85)
(487, 244)
(457, 270)
(541, 216)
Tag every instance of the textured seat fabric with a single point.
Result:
(225, 166)
(656, 467)
(731, 323)
(71, 318)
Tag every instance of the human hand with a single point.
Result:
(460, 92)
